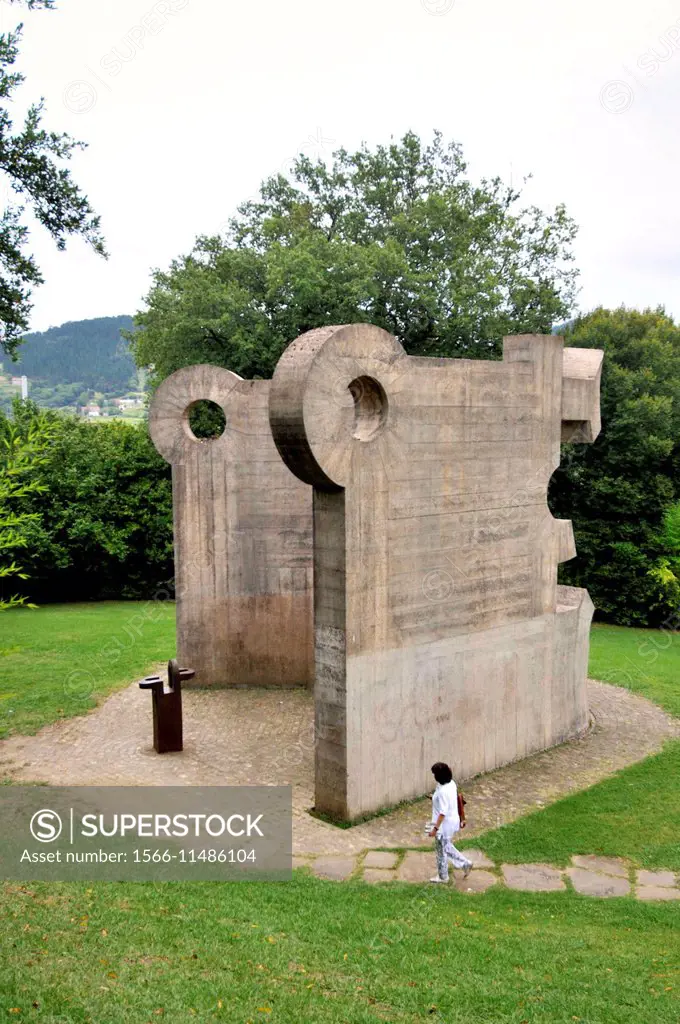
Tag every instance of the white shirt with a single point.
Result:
(445, 801)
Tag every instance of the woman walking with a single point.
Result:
(445, 823)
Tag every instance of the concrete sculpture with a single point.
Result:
(440, 631)
(243, 537)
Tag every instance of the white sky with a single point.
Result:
(215, 96)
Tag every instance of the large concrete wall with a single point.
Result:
(440, 632)
(243, 537)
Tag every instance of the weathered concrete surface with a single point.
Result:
(336, 868)
(243, 537)
(603, 865)
(379, 875)
(591, 883)
(664, 879)
(533, 877)
(477, 881)
(478, 858)
(657, 892)
(417, 867)
(381, 859)
(440, 632)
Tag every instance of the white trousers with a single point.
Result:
(446, 852)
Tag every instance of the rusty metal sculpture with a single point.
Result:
(167, 707)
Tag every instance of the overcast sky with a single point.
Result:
(187, 104)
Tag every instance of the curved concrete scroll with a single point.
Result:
(243, 537)
(438, 634)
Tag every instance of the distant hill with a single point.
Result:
(87, 352)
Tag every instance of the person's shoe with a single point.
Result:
(438, 879)
(467, 869)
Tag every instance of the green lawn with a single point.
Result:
(322, 952)
(350, 953)
(646, 661)
(63, 658)
(635, 813)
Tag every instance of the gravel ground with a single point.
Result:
(250, 737)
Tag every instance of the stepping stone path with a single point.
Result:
(589, 874)
(532, 877)
(602, 865)
(591, 883)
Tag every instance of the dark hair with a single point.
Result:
(442, 772)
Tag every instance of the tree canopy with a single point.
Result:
(102, 527)
(32, 159)
(396, 236)
(621, 490)
(98, 519)
(22, 454)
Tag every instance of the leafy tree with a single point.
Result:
(666, 573)
(21, 456)
(621, 491)
(396, 236)
(671, 530)
(32, 160)
(102, 529)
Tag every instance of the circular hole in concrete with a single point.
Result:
(206, 420)
(370, 407)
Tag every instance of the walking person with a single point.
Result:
(445, 823)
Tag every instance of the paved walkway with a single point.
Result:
(589, 875)
(250, 737)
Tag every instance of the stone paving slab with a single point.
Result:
(335, 868)
(602, 865)
(417, 867)
(420, 867)
(380, 859)
(657, 892)
(664, 879)
(476, 881)
(590, 883)
(479, 858)
(533, 877)
(379, 875)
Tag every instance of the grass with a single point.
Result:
(325, 953)
(636, 812)
(350, 953)
(646, 661)
(63, 658)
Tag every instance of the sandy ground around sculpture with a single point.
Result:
(265, 737)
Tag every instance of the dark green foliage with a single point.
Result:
(105, 521)
(91, 353)
(33, 161)
(618, 490)
(206, 419)
(396, 236)
(22, 454)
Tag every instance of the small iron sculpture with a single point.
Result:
(167, 707)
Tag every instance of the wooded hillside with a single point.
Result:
(90, 352)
